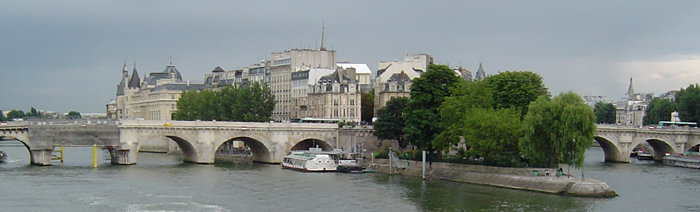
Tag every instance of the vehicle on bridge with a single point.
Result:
(679, 124)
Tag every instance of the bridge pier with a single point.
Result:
(41, 157)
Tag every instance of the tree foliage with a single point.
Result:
(15, 114)
(515, 89)
(491, 134)
(74, 115)
(688, 103)
(465, 96)
(659, 110)
(252, 102)
(604, 113)
(558, 130)
(367, 100)
(421, 114)
(390, 122)
(2, 116)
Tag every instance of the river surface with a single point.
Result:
(161, 182)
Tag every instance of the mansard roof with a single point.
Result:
(170, 69)
(179, 86)
(218, 69)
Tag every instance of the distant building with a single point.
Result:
(631, 109)
(154, 98)
(336, 96)
(480, 74)
(592, 100)
(363, 75)
(395, 74)
(463, 73)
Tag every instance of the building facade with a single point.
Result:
(335, 96)
(154, 98)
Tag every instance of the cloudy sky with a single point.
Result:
(68, 55)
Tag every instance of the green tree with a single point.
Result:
(251, 102)
(390, 123)
(2, 116)
(492, 134)
(688, 103)
(465, 96)
(422, 121)
(516, 89)
(558, 130)
(15, 114)
(73, 115)
(604, 113)
(659, 110)
(367, 109)
(33, 113)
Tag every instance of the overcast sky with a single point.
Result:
(68, 55)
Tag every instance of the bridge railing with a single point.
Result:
(647, 127)
(62, 122)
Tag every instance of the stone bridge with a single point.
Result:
(618, 141)
(198, 140)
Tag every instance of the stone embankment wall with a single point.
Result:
(516, 178)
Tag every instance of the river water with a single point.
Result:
(161, 182)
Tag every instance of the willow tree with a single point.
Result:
(558, 130)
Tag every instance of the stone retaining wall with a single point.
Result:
(516, 178)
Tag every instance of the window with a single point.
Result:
(335, 102)
(335, 112)
(352, 112)
(352, 102)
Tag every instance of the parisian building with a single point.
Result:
(391, 78)
(154, 98)
(336, 96)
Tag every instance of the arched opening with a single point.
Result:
(309, 143)
(17, 152)
(234, 151)
(660, 148)
(188, 152)
(612, 153)
(249, 148)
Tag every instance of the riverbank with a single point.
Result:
(515, 178)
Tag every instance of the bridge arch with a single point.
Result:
(260, 151)
(308, 142)
(660, 148)
(189, 152)
(611, 151)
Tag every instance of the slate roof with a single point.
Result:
(480, 74)
(179, 86)
(170, 69)
(135, 81)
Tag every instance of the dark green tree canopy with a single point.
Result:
(558, 130)
(74, 115)
(659, 110)
(688, 103)
(516, 89)
(604, 113)
(367, 106)
(251, 102)
(427, 93)
(15, 114)
(390, 123)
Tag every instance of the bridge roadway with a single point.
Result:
(618, 141)
(198, 140)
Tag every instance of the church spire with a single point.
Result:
(323, 30)
(630, 90)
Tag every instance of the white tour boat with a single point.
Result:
(311, 160)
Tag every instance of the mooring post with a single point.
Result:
(423, 165)
(389, 154)
(94, 155)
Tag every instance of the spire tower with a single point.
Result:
(323, 30)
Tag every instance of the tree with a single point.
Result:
(465, 96)
(33, 113)
(73, 115)
(390, 122)
(422, 121)
(491, 134)
(367, 109)
(558, 130)
(516, 89)
(659, 110)
(604, 113)
(251, 102)
(2, 116)
(688, 103)
(15, 114)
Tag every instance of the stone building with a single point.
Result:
(411, 67)
(154, 98)
(283, 64)
(336, 96)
